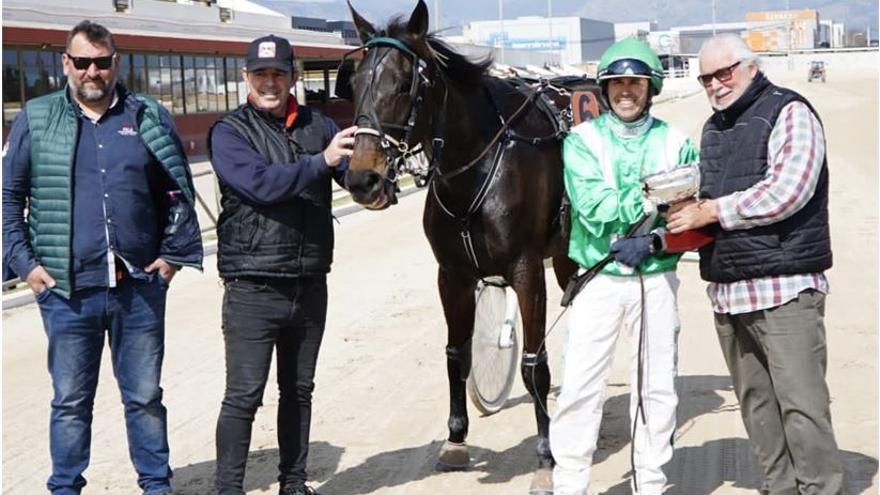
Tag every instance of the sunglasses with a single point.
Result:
(83, 63)
(723, 75)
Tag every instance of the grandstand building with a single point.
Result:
(188, 54)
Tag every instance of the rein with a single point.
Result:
(398, 151)
(505, 126)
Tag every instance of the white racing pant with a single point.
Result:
(607, 306)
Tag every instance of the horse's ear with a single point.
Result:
(418, 20)
(364, 28)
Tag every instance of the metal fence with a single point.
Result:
(200, 202)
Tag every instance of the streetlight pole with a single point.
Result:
(501, 20)
(550, 24)
(437, 16)
(713, 18)
(788, 28)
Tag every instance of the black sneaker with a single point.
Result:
(297, 490)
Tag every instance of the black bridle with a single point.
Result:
(397, 151)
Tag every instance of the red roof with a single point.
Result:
(40, 36)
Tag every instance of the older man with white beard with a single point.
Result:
(765, 197)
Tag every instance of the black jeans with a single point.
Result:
(259, 316)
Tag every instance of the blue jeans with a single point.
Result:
(133, 317)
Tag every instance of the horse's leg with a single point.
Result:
(457, 296)
(564, 268)
(528, 281)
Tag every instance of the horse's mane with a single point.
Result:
(454, 65)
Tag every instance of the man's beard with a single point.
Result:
(94, 93)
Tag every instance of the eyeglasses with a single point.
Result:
(723, 75)
(83, 63)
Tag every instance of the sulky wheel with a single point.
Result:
(495, 347)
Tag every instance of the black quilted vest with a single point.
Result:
(289, 239)
(733, 157)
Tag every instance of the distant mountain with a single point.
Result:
(856, 14)
(337, 10)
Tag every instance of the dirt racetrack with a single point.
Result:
(381, 399)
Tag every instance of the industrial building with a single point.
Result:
(691, 38)
(782, 30)
(639, 30)
(766, 31)
(575, 39)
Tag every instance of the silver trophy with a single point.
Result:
(662, 189)
(672, 186)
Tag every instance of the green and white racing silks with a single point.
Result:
(604, 161)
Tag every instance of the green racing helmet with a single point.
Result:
(631, 58)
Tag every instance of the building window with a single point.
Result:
(177, 85)
(226, 14)
(122, 6)
(233, 74)
(40, 76)
(167, 97)
(219, 85)
(316, 91)
(11, 85)
(159, 80)
(183, 84)
(243, 89)
(190, 100)
(139, 73)
(154, 78)
(124, 74)
(202, 85)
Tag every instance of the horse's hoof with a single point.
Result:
(453, 457)
(542, 482)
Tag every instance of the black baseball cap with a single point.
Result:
(270, 51)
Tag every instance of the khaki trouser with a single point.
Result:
(777, 359)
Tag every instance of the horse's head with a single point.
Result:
(389, 95)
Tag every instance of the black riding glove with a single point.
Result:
(632, 251)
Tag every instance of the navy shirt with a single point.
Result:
(117, 181)
(111, 160)
(243, 169)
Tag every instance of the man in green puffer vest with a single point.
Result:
(604, 160)
(110, 220)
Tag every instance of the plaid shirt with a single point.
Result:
(795, 154)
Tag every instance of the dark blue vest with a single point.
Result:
(733, 157)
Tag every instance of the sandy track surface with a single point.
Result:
(381, 398)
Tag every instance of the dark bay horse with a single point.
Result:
(495, 192)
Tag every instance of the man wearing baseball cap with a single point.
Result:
(274, 160)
